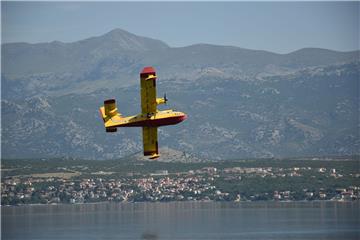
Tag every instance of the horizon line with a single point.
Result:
(280, 53)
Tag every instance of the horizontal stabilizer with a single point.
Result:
(108, 112)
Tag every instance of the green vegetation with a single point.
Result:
(21, 167)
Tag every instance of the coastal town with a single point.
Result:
(208, 183)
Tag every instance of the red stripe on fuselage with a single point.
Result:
(155, 122)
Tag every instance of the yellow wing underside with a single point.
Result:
(148, 95)
(148, 107)
(150, 142)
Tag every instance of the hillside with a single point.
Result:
(240, 102)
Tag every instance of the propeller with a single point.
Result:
(165, 98)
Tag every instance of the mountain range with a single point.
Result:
(240, 102)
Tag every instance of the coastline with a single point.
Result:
(184, 202)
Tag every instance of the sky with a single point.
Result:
(280, 27)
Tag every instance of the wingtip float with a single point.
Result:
(150, 117)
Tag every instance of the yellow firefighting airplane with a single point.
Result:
(150, 117)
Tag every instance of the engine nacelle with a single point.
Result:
(160, 101)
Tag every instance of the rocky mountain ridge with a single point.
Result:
(114, 60)
(240, 102)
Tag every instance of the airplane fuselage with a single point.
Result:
(150, 117)
(158, 119)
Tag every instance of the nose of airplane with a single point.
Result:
(184, 117)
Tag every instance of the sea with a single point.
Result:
(183, 220)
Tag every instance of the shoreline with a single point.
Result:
(169, 202)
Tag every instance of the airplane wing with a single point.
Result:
(150, 142)
(148, 91)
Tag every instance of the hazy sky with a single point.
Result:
(275, 26)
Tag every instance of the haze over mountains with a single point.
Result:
(240, 102)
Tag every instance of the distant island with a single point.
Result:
(72, 181)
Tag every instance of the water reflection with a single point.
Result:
(149, 236)
(184, 220)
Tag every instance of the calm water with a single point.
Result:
(184, 220)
